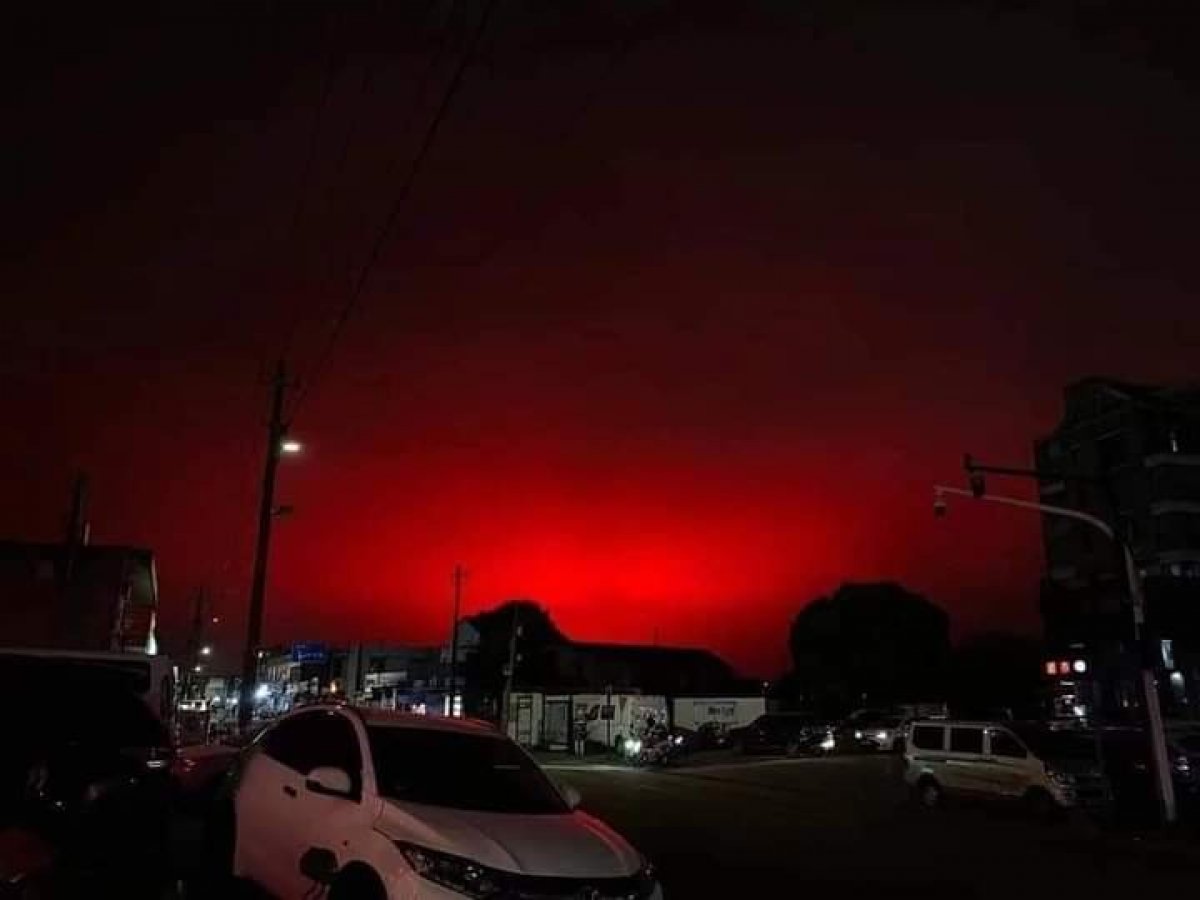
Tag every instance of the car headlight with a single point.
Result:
(463, 876)
(881, 735)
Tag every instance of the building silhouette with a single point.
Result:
(1129, 454)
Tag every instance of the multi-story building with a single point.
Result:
(1129, 454)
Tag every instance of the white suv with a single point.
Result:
(403, 807)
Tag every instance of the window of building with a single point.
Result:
(929, 737)
(1167, 647)
(966, 740)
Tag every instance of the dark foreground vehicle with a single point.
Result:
(84, 784)
(791, 733)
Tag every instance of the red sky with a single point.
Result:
(670, 339)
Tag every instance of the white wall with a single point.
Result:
(731, 712)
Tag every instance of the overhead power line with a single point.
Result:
(389, 223)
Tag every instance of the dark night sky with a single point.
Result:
(688, 310)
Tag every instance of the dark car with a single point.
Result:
(791, 733)
(85, 767)
(1128, 764)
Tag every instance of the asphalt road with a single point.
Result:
(845, 826)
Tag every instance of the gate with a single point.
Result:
(523, 718)
(556, 723)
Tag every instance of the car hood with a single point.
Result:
(566, 845)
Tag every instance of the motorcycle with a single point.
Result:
(657, 748)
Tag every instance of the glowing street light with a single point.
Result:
(206, 650)
(290, 447)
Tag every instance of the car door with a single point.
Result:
(1009, 763)
(965, 762)
(266, 802)
(336, 823)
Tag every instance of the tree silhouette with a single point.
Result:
(871, 645)
(484, 666)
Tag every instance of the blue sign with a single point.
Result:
(310, 652)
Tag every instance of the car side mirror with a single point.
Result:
(570, 795)
(329, 780)
(319, 865)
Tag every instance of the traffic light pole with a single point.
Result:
(1137, 599)
(459, 576)
(262, 549)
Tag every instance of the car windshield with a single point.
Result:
(460, 771)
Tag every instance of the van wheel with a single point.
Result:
(1040, 805)
(929, 793)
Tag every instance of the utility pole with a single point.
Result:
(457, 578)
(196, 639)
(513, 656)
(266, 512)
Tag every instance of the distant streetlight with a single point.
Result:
(216, 620)
(290, 446)
(206, 650)
(197, 668)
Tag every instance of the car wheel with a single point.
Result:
(357, 882)
(929, 793)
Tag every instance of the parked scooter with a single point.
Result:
(657, 747)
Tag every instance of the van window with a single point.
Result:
(1004, 744)
(966, 740)
(928, 737)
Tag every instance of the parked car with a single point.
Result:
(875, 732)
(198, 770)
(386, 805)
(1044, 769)
(792, 733)
(1128, 764)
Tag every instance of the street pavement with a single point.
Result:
(846, 826)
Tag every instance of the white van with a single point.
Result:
(1029, 763)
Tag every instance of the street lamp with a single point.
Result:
(206, 650)
(290, 447)
(1158, 741)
